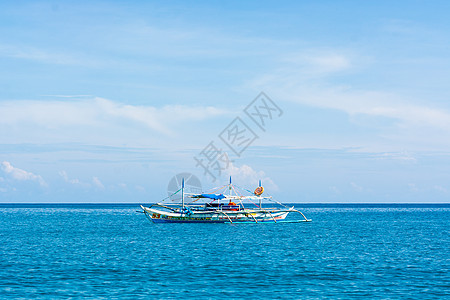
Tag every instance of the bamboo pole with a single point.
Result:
(226, 215)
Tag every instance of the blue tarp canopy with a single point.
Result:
(210, 196)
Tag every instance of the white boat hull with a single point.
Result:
(216, 216)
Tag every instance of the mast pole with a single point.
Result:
(260, 199)
(182, 194)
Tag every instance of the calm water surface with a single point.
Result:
(110, 251)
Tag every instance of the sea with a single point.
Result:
(111, 251)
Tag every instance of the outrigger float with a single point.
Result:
(221, 208)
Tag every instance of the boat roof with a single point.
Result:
(210, 196)
(231, 197)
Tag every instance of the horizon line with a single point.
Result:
(138, 203)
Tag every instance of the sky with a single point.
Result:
(106, 101)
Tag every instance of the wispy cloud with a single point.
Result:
(402, 156)
(297, 82)
(97, 183)
(379, 104)
(140, 188)
(356, 187)
(76, 182)
(317, 62)
(44, 56)
(21, 175)
(440, 189)
(158, 119)
(69, 96)
(247, 176)
(100, 113)
(413, 187)
(335, 190)
(73, 181)
(408, 28)
(354, 102)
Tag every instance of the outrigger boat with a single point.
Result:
(221, 208)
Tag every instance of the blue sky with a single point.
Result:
(106, 101)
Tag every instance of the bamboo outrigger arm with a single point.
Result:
(306, 220)
(268, 212)
(226, 215)
(146, 215)
(256, 221)
(160, 205)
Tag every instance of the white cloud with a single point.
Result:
(440, 188)
(98, 113)
(69, 96)
(332, 63)
(374, 103)
(21, 175)
(44, 56)
(73, 181)
(317, 62)
(98, 183)
(402, 156)
(139, 188)
(356, 186)
(414, 121)
(157, 118)
(335, 190)
(413, 187)
(246, 176)
(95, 181)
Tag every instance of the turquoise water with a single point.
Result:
(104, 251)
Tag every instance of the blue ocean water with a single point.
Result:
(110, 251)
